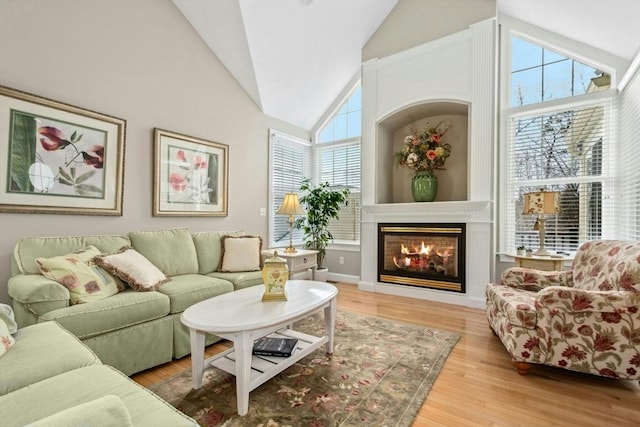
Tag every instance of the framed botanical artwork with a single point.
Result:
(190, 176)
(58, 158)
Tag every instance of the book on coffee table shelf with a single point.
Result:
(272, 346)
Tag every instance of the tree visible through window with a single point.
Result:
(564, 148)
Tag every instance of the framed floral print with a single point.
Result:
(190, 176)
(58, 158)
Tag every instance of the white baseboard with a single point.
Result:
(347, 278)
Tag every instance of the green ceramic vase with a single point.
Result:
(424, 186)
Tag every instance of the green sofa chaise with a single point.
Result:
(131, 331)
(49, 378)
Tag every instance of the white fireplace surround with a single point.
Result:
(407, 81)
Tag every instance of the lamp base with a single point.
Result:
(290, 250)
(539, 225)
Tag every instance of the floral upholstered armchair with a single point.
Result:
(584, 319)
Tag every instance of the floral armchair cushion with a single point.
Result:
(607, 265)
(586, 319)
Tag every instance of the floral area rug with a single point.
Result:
(379, 375)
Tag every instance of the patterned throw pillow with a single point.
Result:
(6, 340)
(6, 315)
(86, 281)
(240, 253)
(132, 267)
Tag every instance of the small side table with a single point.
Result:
(298, 262)
(545, 263)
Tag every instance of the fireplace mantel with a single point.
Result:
(457, 211)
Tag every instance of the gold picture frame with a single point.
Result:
(59, 158)
(190, 176)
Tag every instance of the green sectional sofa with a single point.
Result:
(131, 331)
(50, 378)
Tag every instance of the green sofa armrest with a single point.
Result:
(31, 288)
(107, 411)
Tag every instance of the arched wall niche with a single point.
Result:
(394, 181)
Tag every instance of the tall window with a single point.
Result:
(290, 160)
(629, 155)
(559, 137)
(337, 155)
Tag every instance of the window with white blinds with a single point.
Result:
(569, 148)
(629, 155)
(339, 165)
(290, 162)
(337, 156)
(559, 132)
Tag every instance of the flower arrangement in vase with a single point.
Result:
(424, 152)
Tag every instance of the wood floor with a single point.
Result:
(478, 386)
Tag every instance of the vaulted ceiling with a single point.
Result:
(294, 57)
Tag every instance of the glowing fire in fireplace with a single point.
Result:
(423, 257)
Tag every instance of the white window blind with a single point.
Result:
(568, 147)
(290, 163)
(629, 155)
(339, 165)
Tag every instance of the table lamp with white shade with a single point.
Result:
(541, 203)
(290, 206)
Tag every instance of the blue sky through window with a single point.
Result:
(539, 74)
(346, 123)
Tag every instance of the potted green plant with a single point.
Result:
(521, 250)
(322, 204)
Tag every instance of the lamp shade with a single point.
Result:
(290, 205)
(541, 203)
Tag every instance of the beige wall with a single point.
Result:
(140, 61)
(414, 22)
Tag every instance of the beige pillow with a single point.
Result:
(240, 253)
(86, 281)
(6, 340)
(132, 267)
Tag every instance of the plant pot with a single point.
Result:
(424, 186)
(320, 274)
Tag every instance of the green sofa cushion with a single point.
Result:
(107, 411)
(172, 251)
(188, 289)
(85, 385)
(27, 250)
(42, 351)
(116, 312)
(209, 248)
(240, 280)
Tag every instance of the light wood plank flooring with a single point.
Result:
(478, 386)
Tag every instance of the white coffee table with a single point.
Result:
(242, 317)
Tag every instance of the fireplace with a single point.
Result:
(423, 255)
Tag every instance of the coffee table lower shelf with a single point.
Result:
(263, 368)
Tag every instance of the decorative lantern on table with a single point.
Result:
(275, 274)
